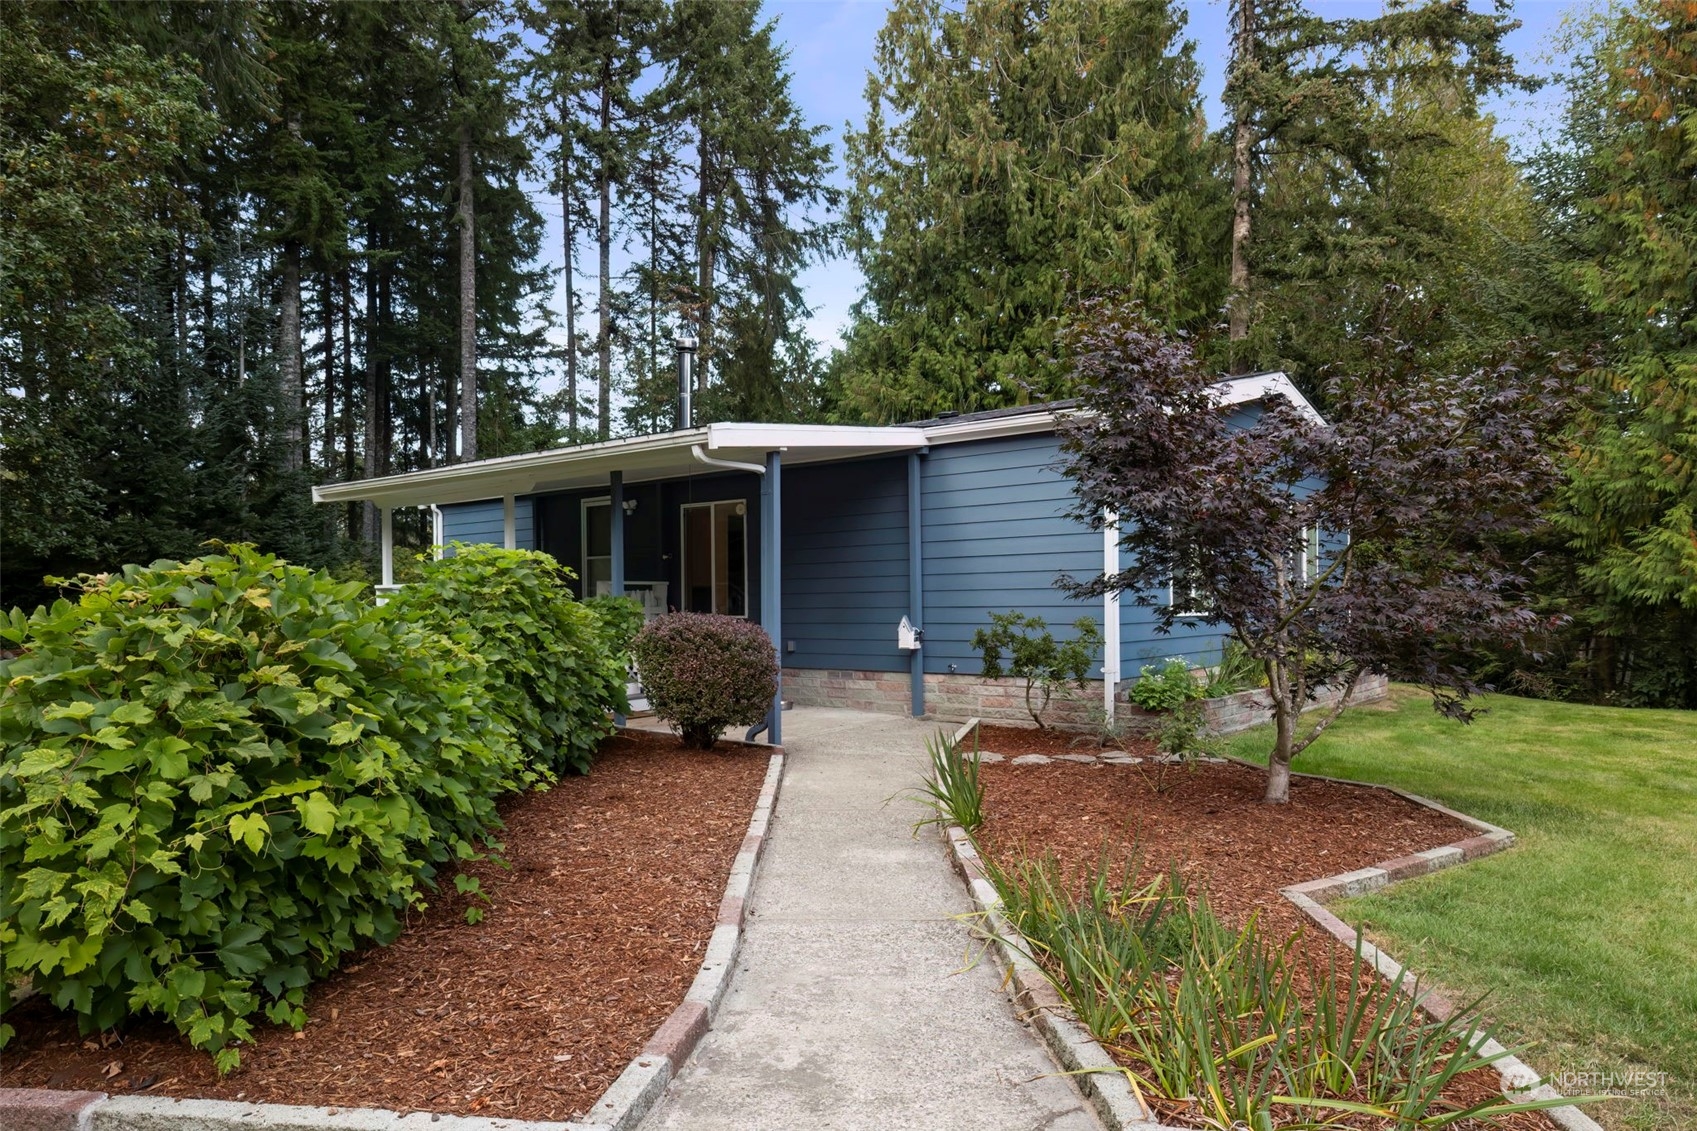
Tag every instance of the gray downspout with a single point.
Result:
(771, 582)
(915, 585)
(616, 521)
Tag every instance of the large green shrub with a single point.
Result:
(554, 671)
(221, 776)
(704, 672)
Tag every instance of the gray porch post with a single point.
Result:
(616, 489)
(616, 521)
(915, 586)
(771, 582)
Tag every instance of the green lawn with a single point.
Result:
(1584, 934)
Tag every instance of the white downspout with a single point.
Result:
(1110, 614)
(509, 524)
(696, 451)
(436, 546)
(388, 548)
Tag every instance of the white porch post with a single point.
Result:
(509, 524)
(1110, 613)
(388, 551)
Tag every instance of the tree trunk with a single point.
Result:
(289, 388)
(468, 303)
(1286, 711)
(568, 240)
(329, 345)
(376, 398)
(704, 258)
(351, 514)
(1243, 58)
(604, 240)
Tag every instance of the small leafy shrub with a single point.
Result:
(555, 675)
(1033, 654)
(221, 776)
(704, 672)
(1232, 1024)
(951, 789)
(1180, 739)
(1165, 686)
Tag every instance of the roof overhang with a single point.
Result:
(668, 455)
(672, 455)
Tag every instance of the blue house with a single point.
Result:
(828, 536)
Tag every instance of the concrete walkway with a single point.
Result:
(852, 1006)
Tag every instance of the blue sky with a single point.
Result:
(831, 42)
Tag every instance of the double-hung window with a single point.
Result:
(1308, 561)
(1185, 592)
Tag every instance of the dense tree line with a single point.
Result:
(246, 247)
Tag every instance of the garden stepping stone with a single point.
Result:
(1032, 760)
(986, 756)
(1075, 757)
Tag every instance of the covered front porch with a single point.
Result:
(687, 520)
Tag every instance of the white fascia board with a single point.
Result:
(797, 437)
(492, 478)
(1260, 386)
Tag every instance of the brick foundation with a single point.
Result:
(948, 698)
(956, 698)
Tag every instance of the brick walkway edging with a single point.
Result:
(624, 1103)
(1095, 1072)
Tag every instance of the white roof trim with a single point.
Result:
(1260, 386)
(780, 437)
(667, 455)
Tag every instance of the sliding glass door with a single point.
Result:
(715, 557)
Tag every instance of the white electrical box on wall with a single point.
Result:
(908, 637)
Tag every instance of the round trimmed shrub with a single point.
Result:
(556, 666)
(218, 777)
(705, 672)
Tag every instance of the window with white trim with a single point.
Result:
(1308, 559)
(1184, 592)
(597, 546)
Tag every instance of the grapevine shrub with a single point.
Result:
(556, 671)
(704, 672)
(221, 776)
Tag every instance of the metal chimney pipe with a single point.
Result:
(686, 382)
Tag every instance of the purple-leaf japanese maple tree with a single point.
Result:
(1372, 542)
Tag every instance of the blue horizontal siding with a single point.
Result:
(845, 564)
(997, 535)
(485, 523)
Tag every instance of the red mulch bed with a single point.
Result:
(593, 937)
(1208, 821)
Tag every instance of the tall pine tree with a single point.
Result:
(1017, 156)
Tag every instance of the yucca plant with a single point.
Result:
(951, 790)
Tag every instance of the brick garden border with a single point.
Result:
(1098, 1077)
(626, 1100)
